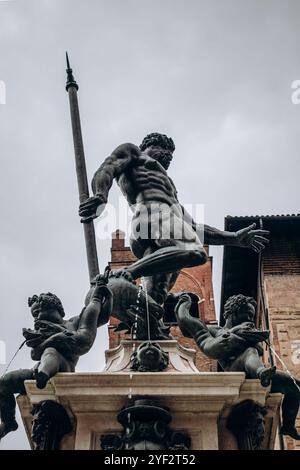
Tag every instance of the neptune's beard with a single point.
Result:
(164, 157)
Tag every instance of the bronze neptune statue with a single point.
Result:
(141, 173)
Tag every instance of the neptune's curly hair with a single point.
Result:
(160, 140)
(235, 303)
(47, 300)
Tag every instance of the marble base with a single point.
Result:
(199, 403)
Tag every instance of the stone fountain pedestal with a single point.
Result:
(198, 402)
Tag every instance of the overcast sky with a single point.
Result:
(214, 75)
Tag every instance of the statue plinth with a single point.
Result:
(198, 403)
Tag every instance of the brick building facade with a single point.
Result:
(275, 282)
(197, 280)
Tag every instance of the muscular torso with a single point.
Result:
(146, 185)
(145, 181)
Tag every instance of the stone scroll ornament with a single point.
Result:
(238, 348)
(50, 424)
(55, 343)
(246, 421)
